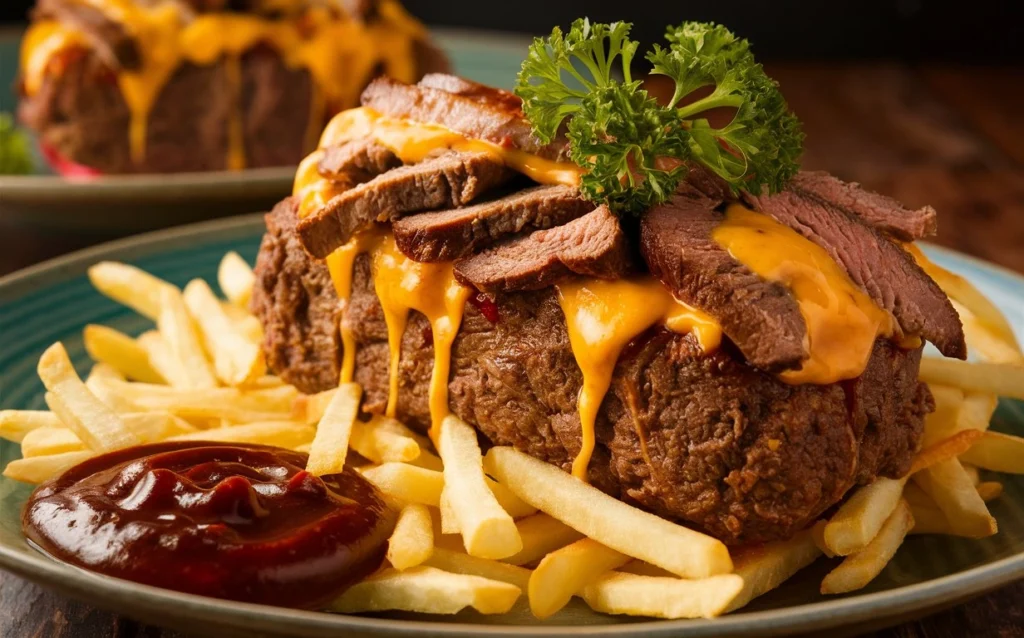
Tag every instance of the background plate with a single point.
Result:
(54, 301)
(131, 203)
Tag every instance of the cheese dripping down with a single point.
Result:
(602, 317)
(842, 321)
(340, 53)
(402, 285)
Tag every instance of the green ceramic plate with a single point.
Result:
(143, 202)
(53, 301)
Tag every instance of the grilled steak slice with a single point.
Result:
(445, 235)
(112, 42)
(886, 272)
(452, 179)
(884, 213)
(475, 110)
(357, 161)
(761, 317)
(702, 439)
(591, 245)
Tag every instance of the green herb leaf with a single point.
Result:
(15, 157)
(632, 148)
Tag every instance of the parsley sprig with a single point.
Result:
(626, 141)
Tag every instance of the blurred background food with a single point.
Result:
(132, 86)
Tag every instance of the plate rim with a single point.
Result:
(109, 592)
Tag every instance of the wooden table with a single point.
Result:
(949, 137)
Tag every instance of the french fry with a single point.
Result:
(997, 452)
(976, 411)
(857, 570)
(619, 593)
(397, 427)
(429, 461)
(236, 359)
(177, 329)
(272, 404)
(120, 351)
(607, 520)
(50, 441)
(487, 530)
(97, 380)
(765, 567)
(949, 448)
(42, 468)
(1002, 379)
(97, 425)
(983, 340)
(427, 590)
(380, 445)
(236, 279)
(972, 472)
(163, 359)
(15, 424)
(412, 542)
(311, 407)
(245, 323)
(818, 534)
(407, 483)
(944, 422)
(458, 562)
(104, 372)
(330, 445)
(286, 434)
(989, 490)
(568, 570)
(862, 515)
(641, 568)
(130, 286)
(953, 492)
(970, 297)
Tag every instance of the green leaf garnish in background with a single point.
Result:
(15, 157)
(632, 148)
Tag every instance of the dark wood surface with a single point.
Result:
(951, 137)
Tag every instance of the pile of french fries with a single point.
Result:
(477, 531)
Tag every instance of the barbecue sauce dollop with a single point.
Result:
(241, 522)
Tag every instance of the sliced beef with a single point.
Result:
(446, 235)
(452, 179)
(706, 440)
(276, 102)
(592, 245)
(884, 213)
(761, 317)
(886, 272)
(475, 110)
(357, 161)
(112, 42)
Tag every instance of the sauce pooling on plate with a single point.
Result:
(241, 522)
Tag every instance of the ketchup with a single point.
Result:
(241, 522)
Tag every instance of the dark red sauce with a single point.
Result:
(241, 522)
(486, 305)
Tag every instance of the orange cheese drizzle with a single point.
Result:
(602, 318)
(339, 53)
(842, 321)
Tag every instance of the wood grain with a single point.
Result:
(948, 136)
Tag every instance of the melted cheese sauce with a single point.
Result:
(340, 54)
(413, 142)
(403, 285)
(602, 318)
(842, 321)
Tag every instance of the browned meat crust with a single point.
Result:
(703, 439)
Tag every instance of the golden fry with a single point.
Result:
(458, 562)
(607, 520)
(954, 493)
(1001, 379)
(42, 468)
(177, 329)
(236, 359)
(568, 570)
(286, 434)
(97, 425)
(765, 567)
(130, 286)
(330, 445)
(997, 452)
(857, 570)
(427, 590)
(163, 359)
(412, 542)
(619, 593)
(120, 351)
(862, 515)
(15, 424)
(236, 279)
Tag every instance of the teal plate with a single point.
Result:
(54, 301)
(132, 203)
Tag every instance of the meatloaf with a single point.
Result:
(704, 439)
(81, 116)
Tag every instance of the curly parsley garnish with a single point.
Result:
(627, 142)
